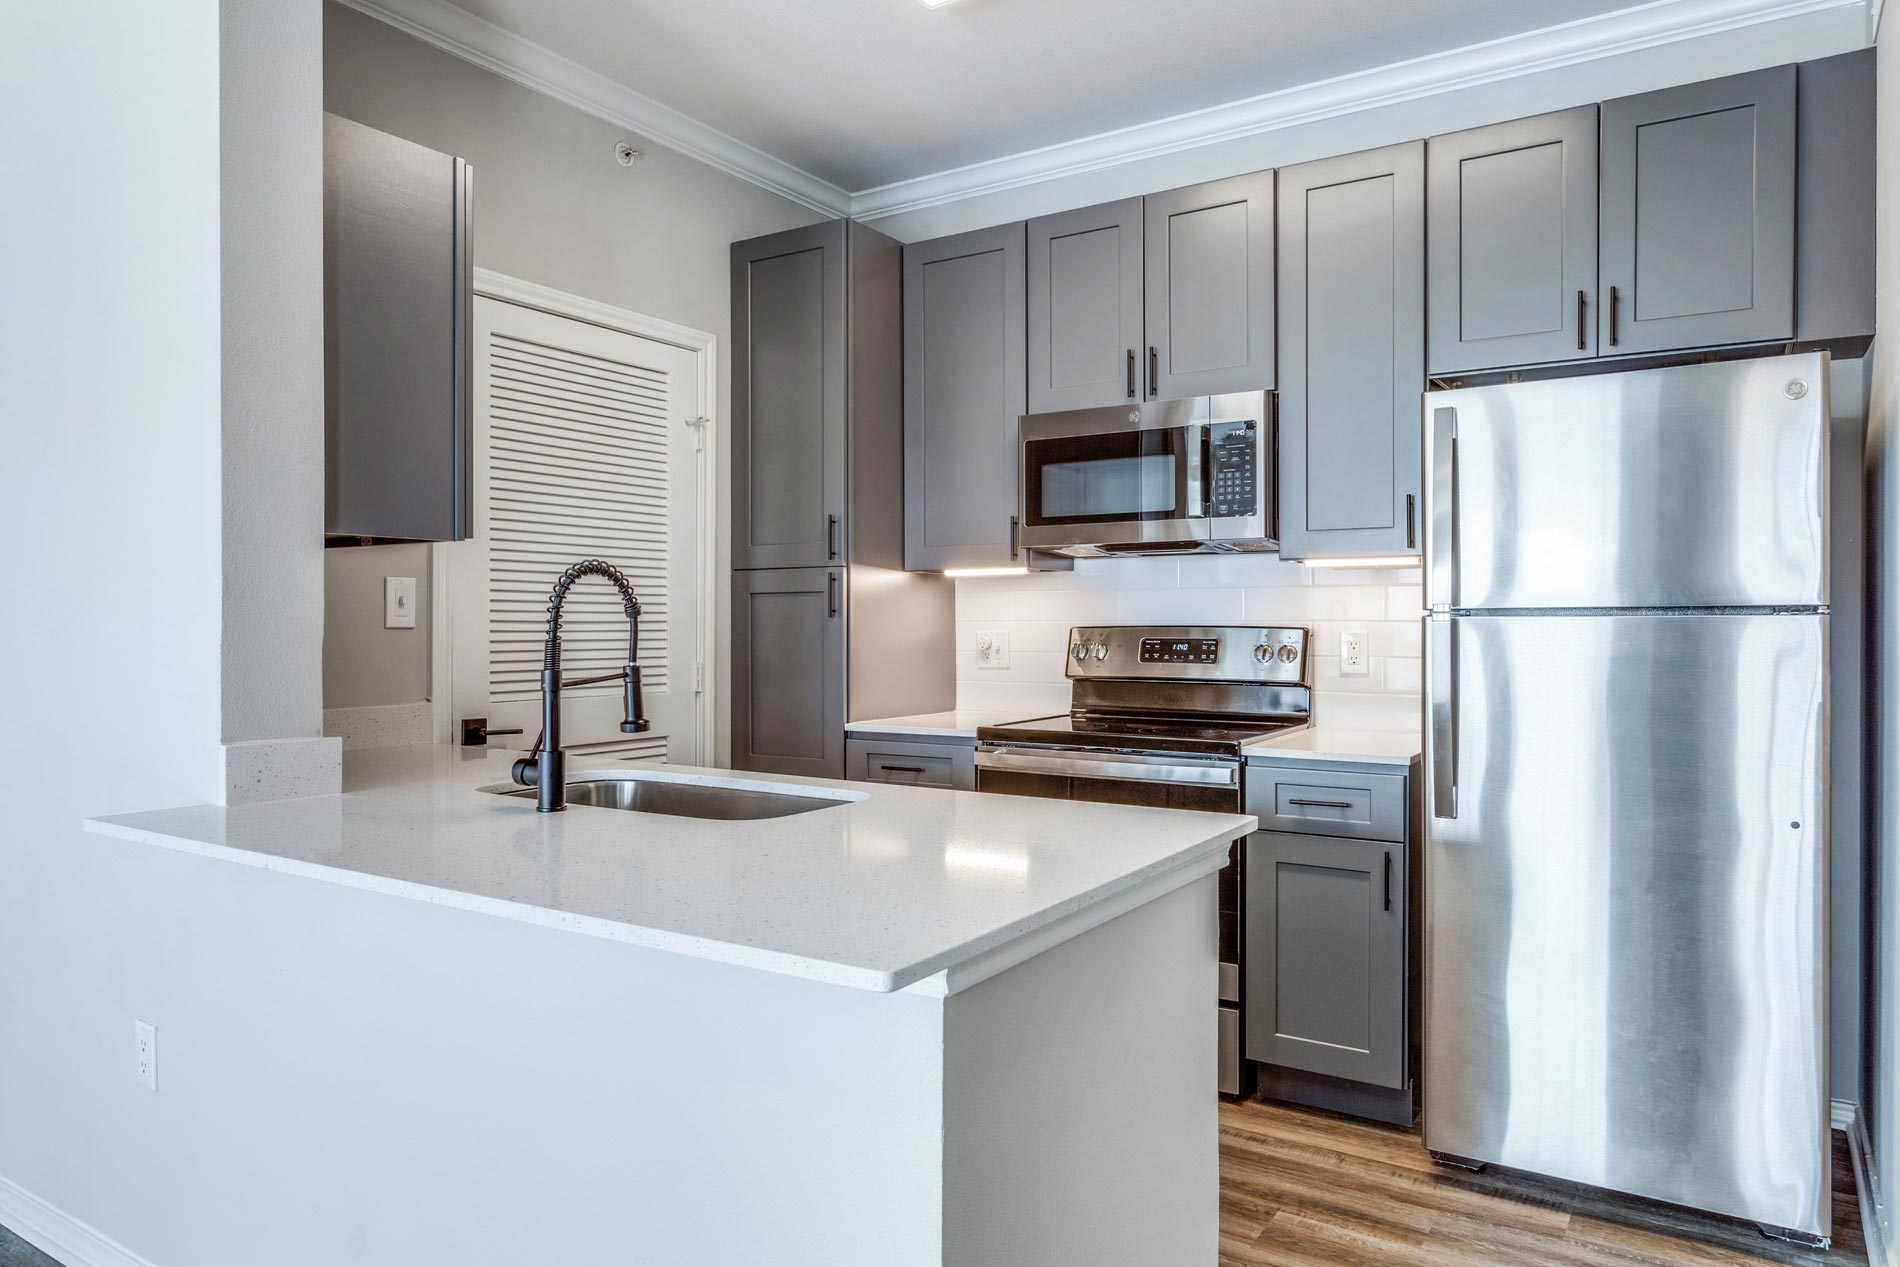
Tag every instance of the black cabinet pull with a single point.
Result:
(1131, 373)
(831, 536)
(831, 593)
(1612, 316)
(1411, 521)
(1388, 881)
(1294, 800)
(1154, 370)
(1015, 537)
(1580, 308)
(902, 769)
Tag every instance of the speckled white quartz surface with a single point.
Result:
(1335, 743)
(888, 887)
(960, 724)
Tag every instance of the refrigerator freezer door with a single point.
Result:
(1693, 486)
(1625, 932)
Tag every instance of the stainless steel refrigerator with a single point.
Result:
(1626, 755)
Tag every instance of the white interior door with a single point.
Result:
(586, 447)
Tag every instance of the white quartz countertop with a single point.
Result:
(1336, 743)
(889, 887)
(960, 724)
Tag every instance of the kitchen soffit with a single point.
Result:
(871, 107)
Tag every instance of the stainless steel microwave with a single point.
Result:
(1164, 477)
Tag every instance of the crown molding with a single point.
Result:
(1568, 44)
(1653, 25)
(473, 39)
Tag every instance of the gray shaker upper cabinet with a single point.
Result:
(1512, 216)
(789, 398)
(1209, 254)
(1352, 346)
(398, 298)
(963, 392)
(1085, 313)
(1698, 214)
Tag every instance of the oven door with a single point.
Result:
(1166, 781)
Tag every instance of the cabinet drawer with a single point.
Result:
(920, 764)
(1327, 802)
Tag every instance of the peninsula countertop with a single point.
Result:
(889, 887)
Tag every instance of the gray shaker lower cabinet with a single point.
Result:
(788, 671)
(1352, 353)
(964, 342)
(1330, 975)
(1698, 215)
(912, 760)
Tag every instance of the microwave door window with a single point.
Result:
(1109, 478)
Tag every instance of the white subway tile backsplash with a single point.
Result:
(1038, 610)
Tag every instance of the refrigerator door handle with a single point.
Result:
(1442, 578)
(1442, 635)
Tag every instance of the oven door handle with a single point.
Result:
(1112, 765)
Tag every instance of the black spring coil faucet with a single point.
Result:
(545, 767)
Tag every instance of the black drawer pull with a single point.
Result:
(1388, 882)
(1131, 373)
(1580, 309)
(1154, 370)
(901, 769)
(1411, 521)
(1294, 800)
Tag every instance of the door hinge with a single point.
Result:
(699, 677)
(699, 430)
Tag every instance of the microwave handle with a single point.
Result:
(1207, 472)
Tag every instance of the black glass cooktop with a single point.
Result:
(1134, 733)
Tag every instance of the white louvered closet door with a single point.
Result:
(582, 450)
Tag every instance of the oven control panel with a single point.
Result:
(1190, 653)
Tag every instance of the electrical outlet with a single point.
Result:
(145, 1052)
(1352, 653)
(399, 602)
(992, 649)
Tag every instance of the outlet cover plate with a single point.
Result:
(1352, 653)
(992, 649)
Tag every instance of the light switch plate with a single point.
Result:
(992, 649)
(1352, 653)
(399, 602)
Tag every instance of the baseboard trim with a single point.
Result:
(51, 1230)
(1860, 1152)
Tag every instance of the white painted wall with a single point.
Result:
(1791, 39)
(272, 276)
(364, 664)
(1882, 835)
(110, 504)
(1038, 610)
(552, 206)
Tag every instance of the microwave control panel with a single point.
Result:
(1234, 475)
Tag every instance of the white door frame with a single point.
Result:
(705, 348)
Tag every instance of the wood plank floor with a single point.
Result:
(1301, 1188)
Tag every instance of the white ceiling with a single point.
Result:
(862, 93)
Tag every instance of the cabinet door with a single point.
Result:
(1512, 210)
(1325, 966)
(1352, 335)
(1085, 307)
(1209, 259)
(963, 392)
(788, 671)
(788, 398)
(1698, 214)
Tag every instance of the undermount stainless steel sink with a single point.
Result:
(682, 800)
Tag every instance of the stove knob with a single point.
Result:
(1263, 653)
(1081, 652)
(1289, 653)
(1101, 651)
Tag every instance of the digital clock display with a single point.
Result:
(1180, 650)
